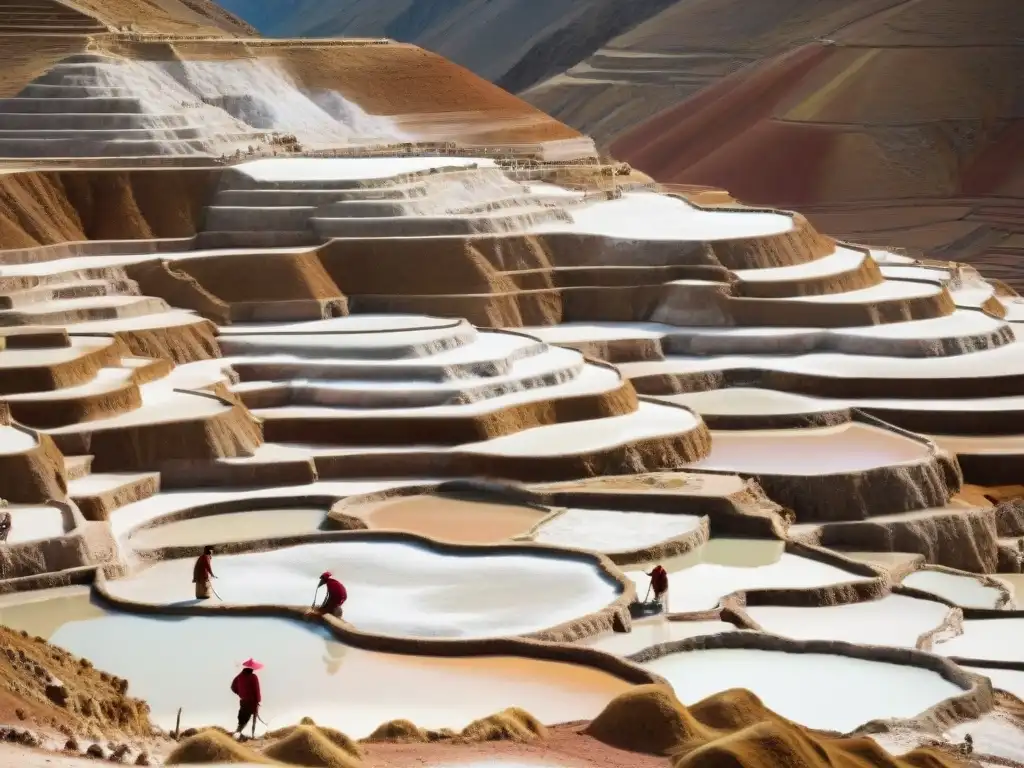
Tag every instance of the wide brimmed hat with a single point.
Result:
(252, 664)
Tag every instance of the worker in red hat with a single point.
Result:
(659, 585)
(336, 595)
(246, 686)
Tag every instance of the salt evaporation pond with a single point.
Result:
(965, 591)
(231, 526)
(699, 579)
(15, 440)
(894, 620)
(400, 588)
(189, 663)
(819, 451)
(35, 523)
(609, 530)
(992, 639)
(42, 612)
(817, 690)
(1011, 680)
(654, 631)
(448, 519)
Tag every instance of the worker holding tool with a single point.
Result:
(246, 686)
(202, 574)
(335, 597)
(5, 525)
(659, 584)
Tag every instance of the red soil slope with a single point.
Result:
(921, 104)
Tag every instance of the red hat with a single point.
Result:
(325, 575)
(252, 664)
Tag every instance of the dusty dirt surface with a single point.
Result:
(931, 161)
(565, 746)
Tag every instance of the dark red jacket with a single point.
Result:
(336, 592)
(203, 569)
(659, 579)
(246, 687)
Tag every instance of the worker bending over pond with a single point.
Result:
(335, 597)
(659, 585)
(202, 573)
(246, 686)
(5, 525)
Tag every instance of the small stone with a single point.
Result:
(58, 694)
(96, 751)
(120, 753)
(71, 745)
(20, 713)
(142, 759)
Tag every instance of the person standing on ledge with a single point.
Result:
(336, 595)
(202, 574)
(246, 686)
(659, 583)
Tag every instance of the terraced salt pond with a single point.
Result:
(962, 590)
(1011, 680)
(36, 523)
(339, 169)
(307, 673)
(649, 216)
(817, 690)
(893, 620)
(699, 579)
(654, 631)
(609, 530)
(398, 588)
(748, 400)
(252, 525)
(448, 519)
(990, 639)
(825, 450)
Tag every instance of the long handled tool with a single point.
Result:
(313, 605)
(216, 593)
(648, 596)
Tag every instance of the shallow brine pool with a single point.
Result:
(398, 588)
(817, 690)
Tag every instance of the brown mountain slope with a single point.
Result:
(514, 43)
(907, 131)
(688, 46)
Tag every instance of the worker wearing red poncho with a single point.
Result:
(659, 584)
(336, 595)
(246, 686)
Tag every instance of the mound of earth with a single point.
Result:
(213, 746)
(398, 732)
(338, 739)
(512, 724)
(45, 685)
(733, 728)
(307, 745)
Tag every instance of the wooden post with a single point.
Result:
(177, 724)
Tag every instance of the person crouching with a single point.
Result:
(335, 597)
